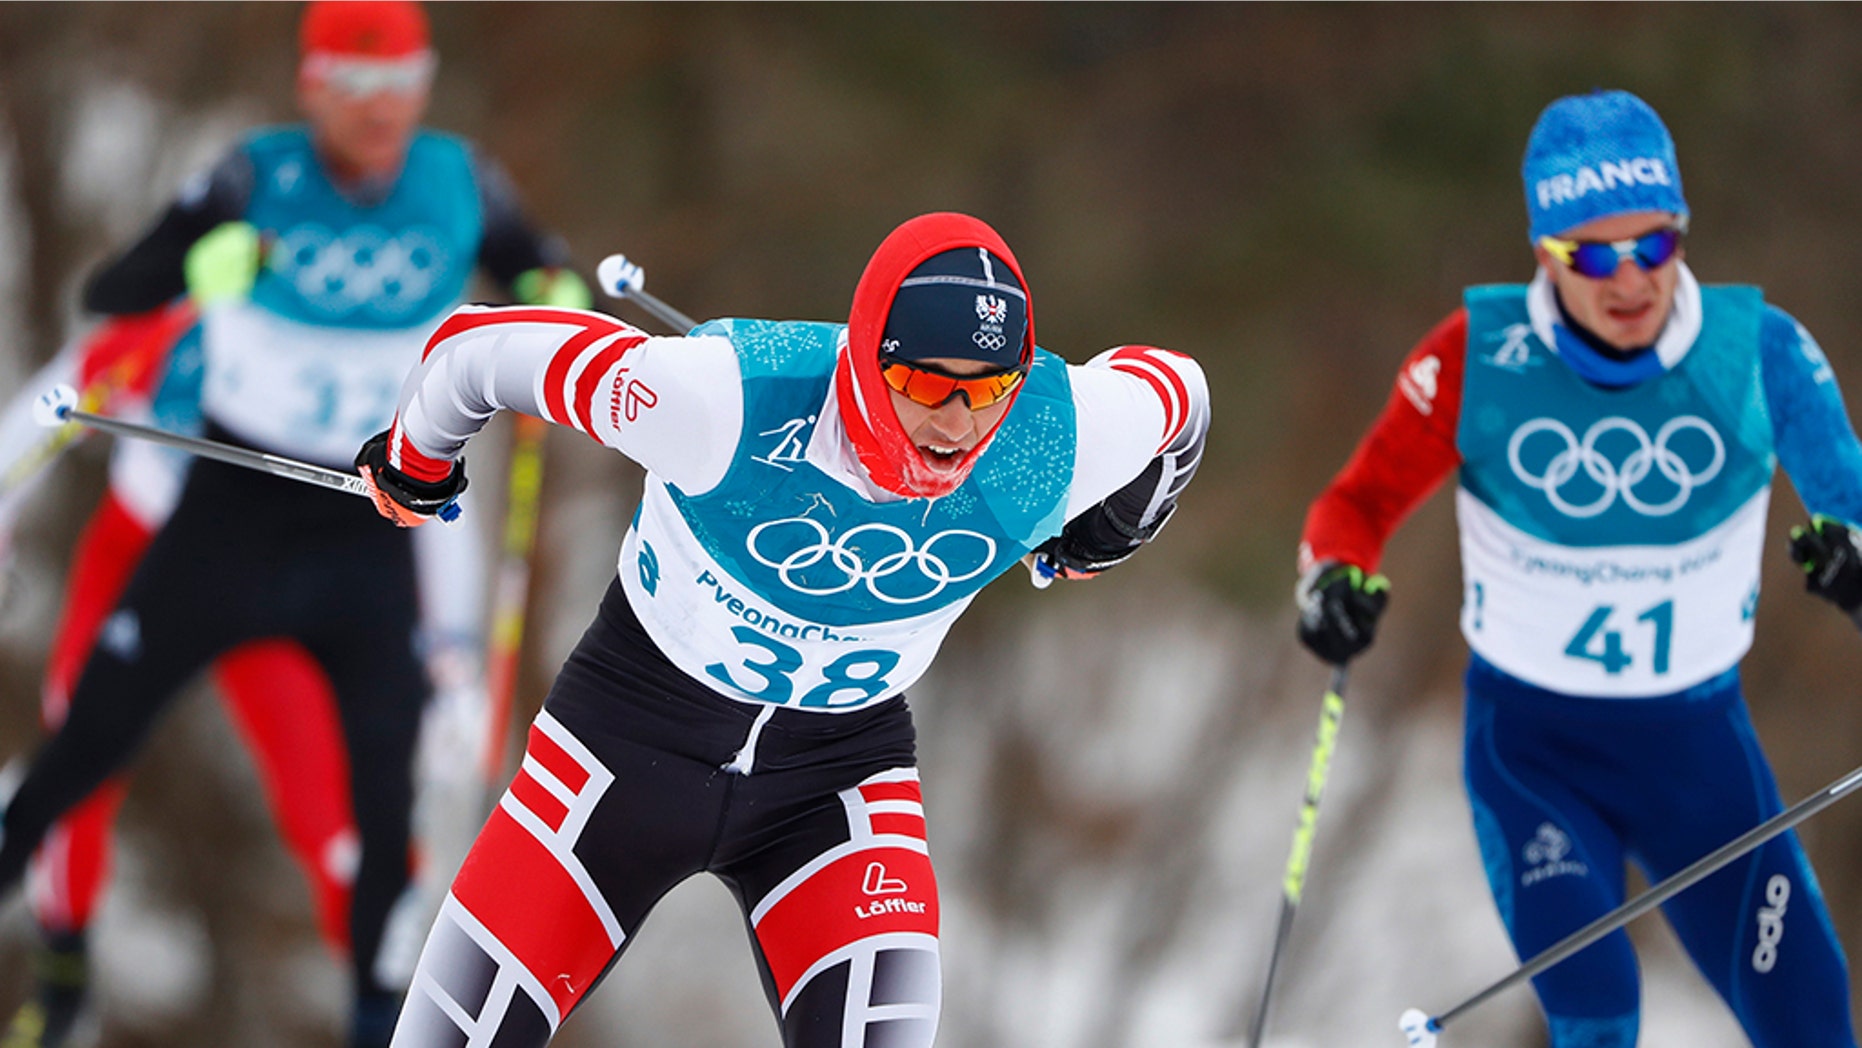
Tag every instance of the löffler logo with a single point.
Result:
(878, 883)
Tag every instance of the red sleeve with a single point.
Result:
(128, 354)
(1404, 457)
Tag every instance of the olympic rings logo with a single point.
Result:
(392, 275)
(1649, 456)
(845, 567)
(989, 341)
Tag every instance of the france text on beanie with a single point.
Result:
(1595, 155)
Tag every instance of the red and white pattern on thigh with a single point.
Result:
(523, 881)
(482, 1015)
(874, 891)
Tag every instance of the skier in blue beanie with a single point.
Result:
(1615, 425)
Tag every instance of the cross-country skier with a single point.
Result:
(1615, 425)
(323, 256)
(145, 367)
(822, 502)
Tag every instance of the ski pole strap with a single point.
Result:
(1664, 891)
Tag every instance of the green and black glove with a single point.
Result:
(223, 265)
(1830, 552)
(1339, 606)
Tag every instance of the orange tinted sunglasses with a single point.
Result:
(932, 387)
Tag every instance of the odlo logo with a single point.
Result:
(1771, 923)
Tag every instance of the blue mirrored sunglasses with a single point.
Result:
(1598, 259)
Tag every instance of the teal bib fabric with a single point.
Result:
(332, 263)
(820, 551)
(1577, 465)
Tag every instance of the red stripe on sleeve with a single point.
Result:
(1171, 392)
(468, 319)
(404, 456)
(588, 383)
(556, 376)
(127, 354)
(1409, 450)
(408, 459)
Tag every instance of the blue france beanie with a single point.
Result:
(964, 303)
(1590, 156)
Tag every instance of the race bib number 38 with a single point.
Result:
(717, 628)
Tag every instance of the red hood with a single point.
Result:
(886, 451)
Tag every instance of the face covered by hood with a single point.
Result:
(886, 451)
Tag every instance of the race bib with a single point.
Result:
(1609, 621)
(717, 629)
(314, 393)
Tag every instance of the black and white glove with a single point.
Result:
(401, 498)
(1339, 606)
(1090, 543)
(1830, 552)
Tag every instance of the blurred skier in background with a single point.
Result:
(1615, 425)
(822, 502)
(276, 695)
(320, 257)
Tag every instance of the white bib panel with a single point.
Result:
(314, 393)
(1609, 621)
(715, 628)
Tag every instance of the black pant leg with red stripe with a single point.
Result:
(624, 793)
(248, 556)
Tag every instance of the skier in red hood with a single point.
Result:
(822, 502)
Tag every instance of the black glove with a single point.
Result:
(399, 497)
(1827, 550)
(1092, 542)
(1339, 606)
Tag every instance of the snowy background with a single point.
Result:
(1293, 194)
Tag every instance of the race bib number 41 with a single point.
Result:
(1609, 620)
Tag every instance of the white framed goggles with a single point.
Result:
(360, 77)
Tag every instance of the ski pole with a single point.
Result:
(58, 405)
(1422, 1027)
(1331, 712)
(610, 275)
(513, 589)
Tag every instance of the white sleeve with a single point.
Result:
(1133, 405)
(672, 404)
